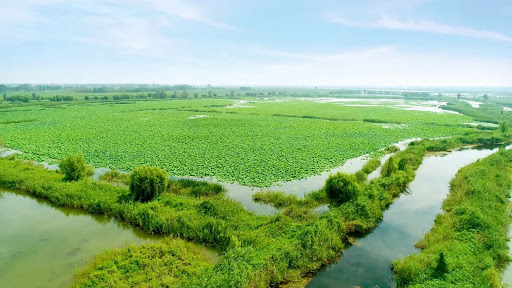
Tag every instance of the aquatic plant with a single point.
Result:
(250, 146)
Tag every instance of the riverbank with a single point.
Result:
(467, 246)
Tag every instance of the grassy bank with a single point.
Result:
(165, 264)
(467, 247)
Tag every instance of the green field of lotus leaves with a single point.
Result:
(256, 142)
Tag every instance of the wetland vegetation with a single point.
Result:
(257, 141)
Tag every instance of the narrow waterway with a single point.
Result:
(43, 246)
(368, 262)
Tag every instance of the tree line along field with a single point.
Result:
(258, 145)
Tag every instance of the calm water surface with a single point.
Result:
(368, 263)
(43, 246)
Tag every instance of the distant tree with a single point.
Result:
(146, 183)
(86, 98)
(3, 89)
(210, 94)
(196, 95)
(341, 187)
(504, 128)
(34, 96)
(486, 97)
(74, 167)
(5, 96)
(232, 94)
(184, 94)
(458, 96)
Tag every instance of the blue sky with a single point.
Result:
(258, 42)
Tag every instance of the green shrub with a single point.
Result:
(389, 167)
(74, 167)
(341, 187)
(504, 128)
(1, 142)
(195, 188)
(147, 183)
(114, 176)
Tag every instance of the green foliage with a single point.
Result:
(115, 177)
(147, 183)
(165, 264)
(74, 167)
(342, 187)
(2, 144)
(371, 165)
(467, 247)
(249, 145)
(195, 188)
(441, 267)
(504, 128)
(280, 199)
(368, 168)
(389, 167)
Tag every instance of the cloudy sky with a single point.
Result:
(258, 42)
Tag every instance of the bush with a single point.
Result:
(114, 176)
(147, 183)
(74, 167)
(1, 142)
(341, 187)
(389, 167)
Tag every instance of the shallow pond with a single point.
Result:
(368, 262)
(43, 246)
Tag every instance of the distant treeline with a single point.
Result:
(365, 92)
(35, 97)
(94, 88)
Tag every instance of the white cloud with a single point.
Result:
(126, 35)
(185, 10)
(381, 50)
(422, 26)
(378, 66)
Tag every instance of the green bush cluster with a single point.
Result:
(74, 167)
(147, 183)
(342, 187)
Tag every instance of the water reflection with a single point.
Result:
(404, 223)
(42, 245)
